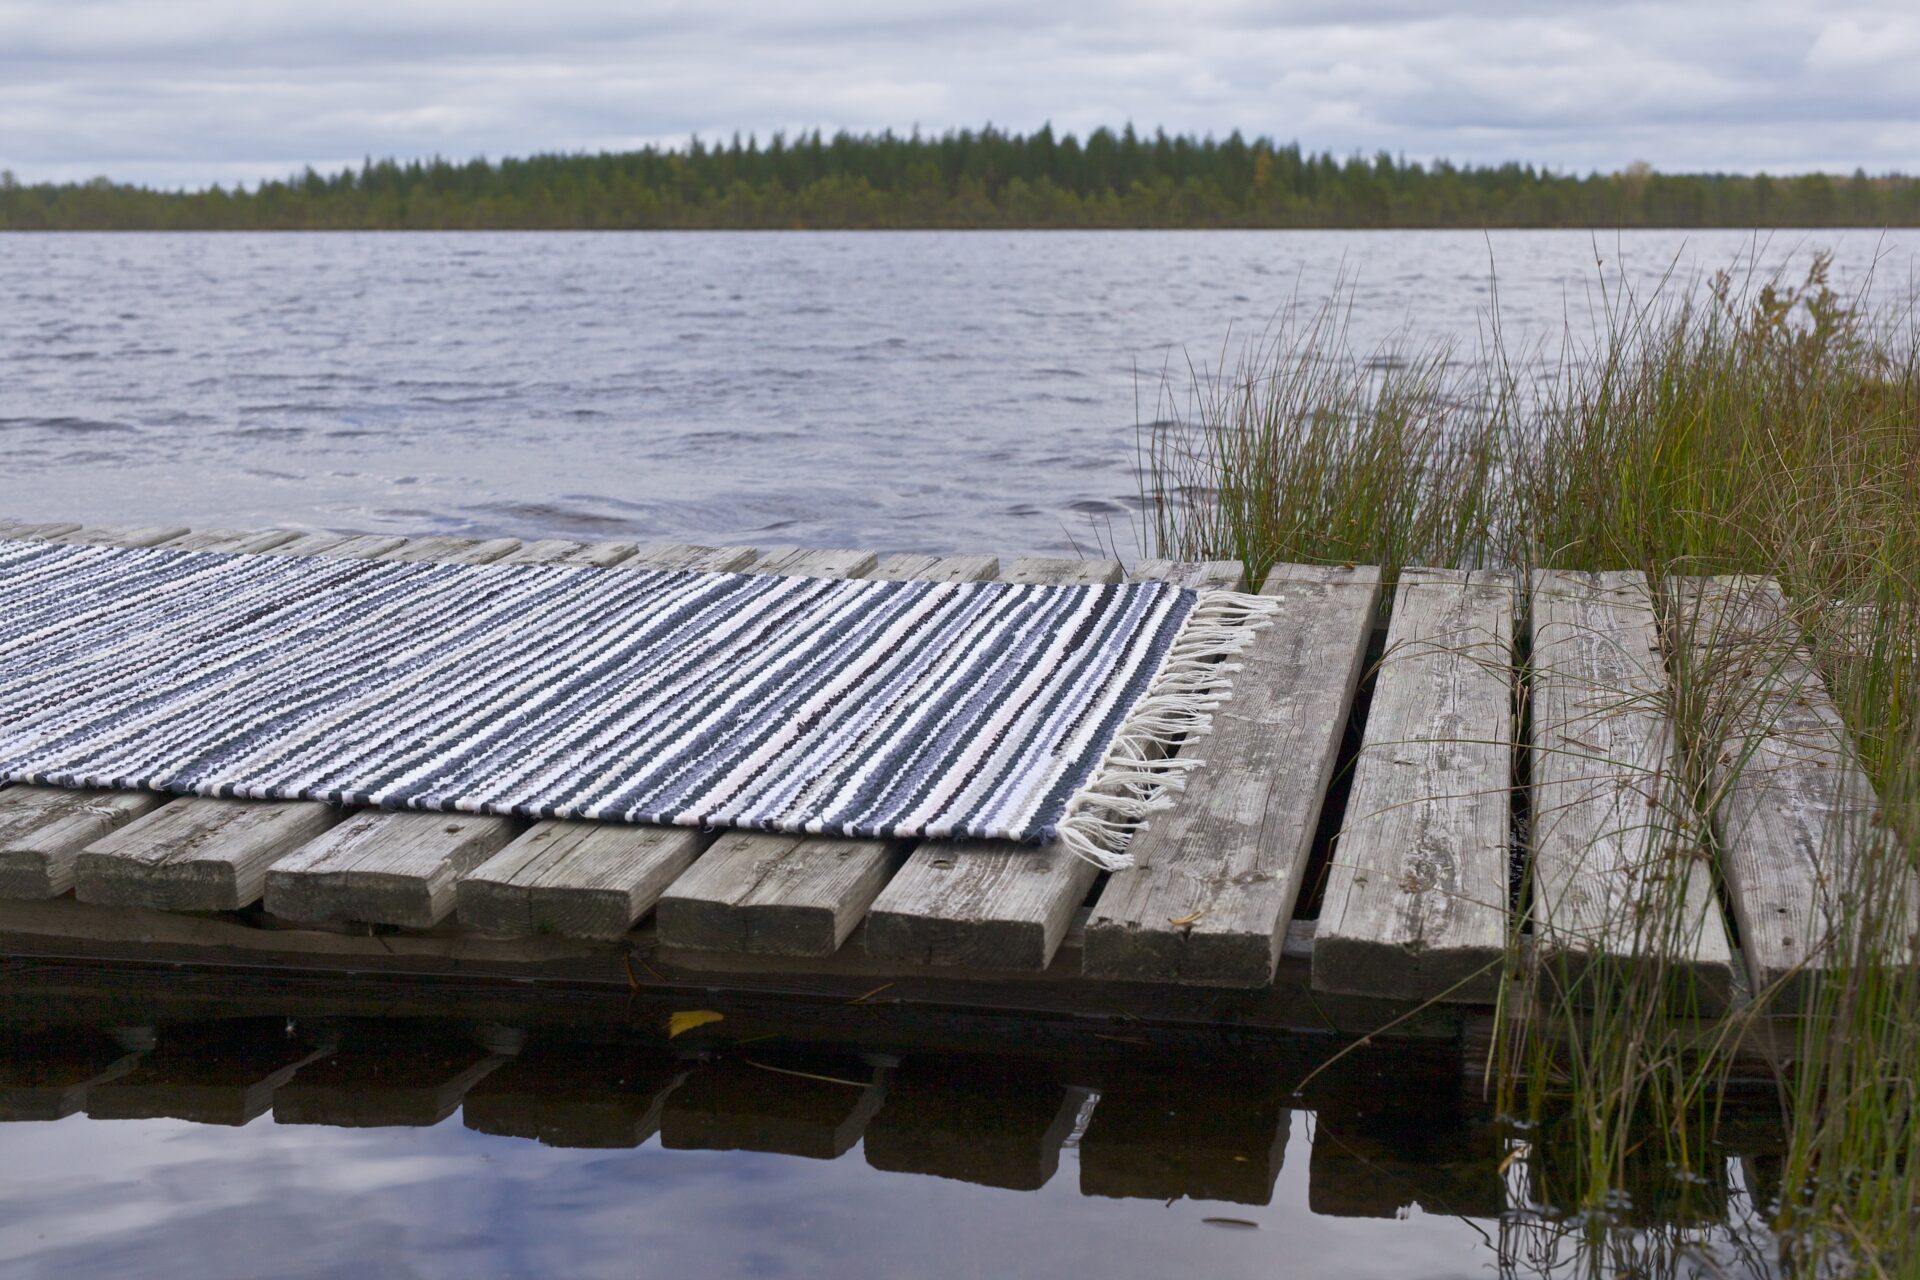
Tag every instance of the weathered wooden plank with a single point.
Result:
(232, 540)
(676, 555)
(773, 894)
(122, 536)
(980, 905)
(911, 566)
(1796, 815)
(27, 531)
(576, 879)
(43, 829)
(802, 562)
(991, 1123)
(196, 854)
(1416, 898)
(338, 546)
(562, 551)
(813, 1106)
(379, 867)
(777, 894)
(1201, 575)
(575, 1096)
(1216, 877)
(1618, 873)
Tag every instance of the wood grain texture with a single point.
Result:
(1797, 819)
(801, 562)
(1416, 897)
(912, 566)
(1618, 874)
(1216, 877)
(674, 555)
(28, 531)
(987, 905)
(338, 546)
(43, 829)
(233, 541)
(774, 895)
(384, 868)
(576, 879)
(777, 894)
(196, 854)
(122, 536)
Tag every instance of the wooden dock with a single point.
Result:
(1392, 790)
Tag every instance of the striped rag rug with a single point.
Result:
(859, 708)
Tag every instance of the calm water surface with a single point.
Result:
(946, 392)
(909, 391)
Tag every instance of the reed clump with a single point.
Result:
(1760, 428)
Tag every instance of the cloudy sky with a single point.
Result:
(186, 92)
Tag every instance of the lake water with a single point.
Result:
(942, 392)
(905, 391)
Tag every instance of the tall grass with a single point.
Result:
(1752, 427)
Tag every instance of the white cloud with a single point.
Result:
(201, 90)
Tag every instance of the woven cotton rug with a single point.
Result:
(808, 705)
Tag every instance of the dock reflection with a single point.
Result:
(1381, 1140)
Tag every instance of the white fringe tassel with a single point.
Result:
(1138, 778)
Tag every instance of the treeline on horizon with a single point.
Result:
(966, 179)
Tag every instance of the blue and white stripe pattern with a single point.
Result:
(808, 705)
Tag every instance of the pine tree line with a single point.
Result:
(968, 178)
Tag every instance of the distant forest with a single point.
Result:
(965, 178)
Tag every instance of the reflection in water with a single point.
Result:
(256, 1145)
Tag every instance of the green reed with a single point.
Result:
(1757, 428)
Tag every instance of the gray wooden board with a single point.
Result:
(378, 867)
(788, 895)
(23, 531)
(199, 853)
(1216, 877)
(1617, 872)
(576, 879)
(43, 829)
(196, 853)
(1796, 815)
(232, 540)
(1416, 897)
(673, 555)
(121, 536)
(982, 905)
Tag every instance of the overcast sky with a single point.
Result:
(186, 92)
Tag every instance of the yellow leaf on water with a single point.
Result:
(687, 1019)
